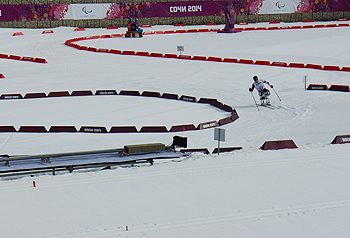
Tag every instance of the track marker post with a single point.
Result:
(219, 135)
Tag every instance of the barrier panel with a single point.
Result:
(226, 149)
(93, 49)
(189, 127)
(206, 125)
(230, 60)
(142, 53)
(280, 64)
(34, 129)
(202, 150)
(273, 28)
(154, 129)
(18, 34)
(7, 129)
(40, 60)
(296, 27)
(82, 93)
(83, 47)
(313, 66)
(192, 30)
(47, 31)
(15, 57)
(106, 92)
(117, 35)
(278, 145)
(2, 76)
(341, 139)
(188, 98)
(317, 87)
(113, 51)
(128, 52)
(246, 61)
(112, 27)
(225, 121)
(199, 58)
(79, 29)
(35, 95)
(25, 58)
(129, 93)
(214, 59)
(169, 32)
(188, 57)
(181, 31)
(234, 115)
(173, 56)
(156, 55)
(123, 129)
(331, 67)
(297, 65)
(346, 69)
(341, 88)
(97, 37)
(101, 50)
(227, 108)
(11, 96)
(207, 100)
(203, 30)
(63, 129)
(93, 129)
(170, 96)
(150, 94)
(262, 62)
(4, 56)
(59, 94)
(106, 36)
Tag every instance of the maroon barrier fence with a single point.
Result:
(33, 129)
(226, 149)
(123, 129)
(59, 94)
(189, 127)
(93, 129)
(341, 88)
(202, 150)
(63, 129)
(341, 139)
(317, 87)
(278, 145)
(154, 129)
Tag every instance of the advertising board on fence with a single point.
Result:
(42, 12)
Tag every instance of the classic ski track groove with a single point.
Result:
(220, 218)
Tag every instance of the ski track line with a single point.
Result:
(142, 175)
(213, 219)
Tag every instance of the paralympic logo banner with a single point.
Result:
(279, 6)
(87, 11)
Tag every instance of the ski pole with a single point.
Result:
(276, 94)
(255, 101)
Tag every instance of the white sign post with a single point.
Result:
(219, 135)
(180, 48)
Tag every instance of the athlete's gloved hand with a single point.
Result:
(271, 86)
(250, 90)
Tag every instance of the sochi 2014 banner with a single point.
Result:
(41, 12)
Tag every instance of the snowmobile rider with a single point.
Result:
(259, 85)
(135, 27)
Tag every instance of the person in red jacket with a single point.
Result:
(130, 24)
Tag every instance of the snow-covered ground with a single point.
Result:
(300, 192)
